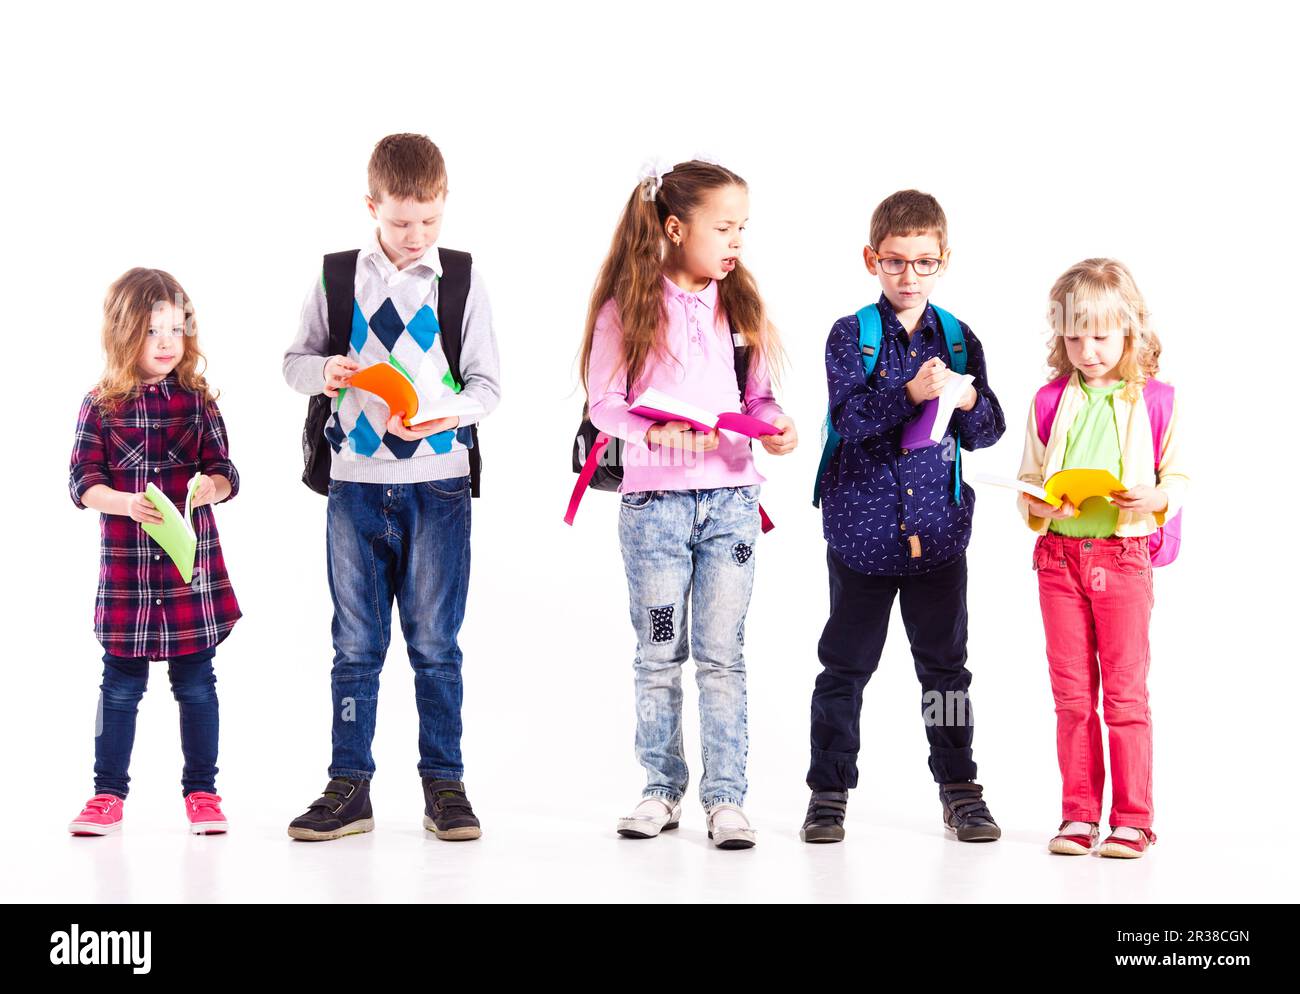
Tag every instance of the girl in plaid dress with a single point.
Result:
(152, 419)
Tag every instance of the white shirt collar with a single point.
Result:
(430, 260)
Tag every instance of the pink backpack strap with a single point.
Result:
(584, 477)
(1159, 399)
(1046, 401)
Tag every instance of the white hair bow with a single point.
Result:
(651, 177)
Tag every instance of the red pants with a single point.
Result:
(1096, 595)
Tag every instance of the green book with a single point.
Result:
(176, 532)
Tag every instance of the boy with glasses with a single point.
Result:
(897, 521)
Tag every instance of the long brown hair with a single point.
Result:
(1101, 293)
(632, 272)
(128, 309)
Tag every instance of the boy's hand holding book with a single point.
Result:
(417, 432)
(338, 370)
(929, 381)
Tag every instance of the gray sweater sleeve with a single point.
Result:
(480, 363)
(304, 361)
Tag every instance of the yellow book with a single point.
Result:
(1074, 485)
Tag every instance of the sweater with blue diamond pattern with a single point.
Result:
(394, 317)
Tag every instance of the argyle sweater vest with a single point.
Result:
(393, 323)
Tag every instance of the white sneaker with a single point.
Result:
(729, 828)
(652, 816)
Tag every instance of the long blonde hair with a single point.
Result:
(128, 310)
(1101, 293)
(632, 273)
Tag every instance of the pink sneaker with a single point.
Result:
(101, 816)
(204, 811)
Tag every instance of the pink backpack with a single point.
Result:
(1159, 399)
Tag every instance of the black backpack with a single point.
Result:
(340, 288)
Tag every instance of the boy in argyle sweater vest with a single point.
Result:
(398, 521)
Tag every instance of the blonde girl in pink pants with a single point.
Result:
(1094, 561)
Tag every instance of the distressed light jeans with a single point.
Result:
(690, 550)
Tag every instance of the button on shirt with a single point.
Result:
(877, 495)
(699, 368)
(163, 436)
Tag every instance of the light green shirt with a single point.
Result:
(1093, 443)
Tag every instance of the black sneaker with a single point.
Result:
(447, 811)
(825, 819)
(965, 812)
(342, 809)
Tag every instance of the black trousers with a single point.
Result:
(933, 606)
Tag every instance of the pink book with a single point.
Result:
(660, 407)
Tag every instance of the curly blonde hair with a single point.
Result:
(128, 310)
(1101, 293)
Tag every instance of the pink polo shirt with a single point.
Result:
(699, 369)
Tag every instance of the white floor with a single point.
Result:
(541, 857)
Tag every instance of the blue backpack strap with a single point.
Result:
(869, 334)
(956, 342)
(954, 338)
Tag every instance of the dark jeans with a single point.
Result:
(933, 606)
(409, 542)
(194, 685)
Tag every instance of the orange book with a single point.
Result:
(391, 383)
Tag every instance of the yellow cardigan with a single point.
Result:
(1137, 458)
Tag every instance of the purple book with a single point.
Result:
(929, 427)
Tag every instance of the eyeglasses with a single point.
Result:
(922, 267)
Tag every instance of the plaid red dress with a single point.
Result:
(165, 435)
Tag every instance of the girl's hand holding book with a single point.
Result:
(140, 508)
(205, 492)
(1042, 509)
(1140, 500)
(779, 445)
(679, 435)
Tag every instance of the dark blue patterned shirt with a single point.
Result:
(877, 495)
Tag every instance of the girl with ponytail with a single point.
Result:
(675, 310)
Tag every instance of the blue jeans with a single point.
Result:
(409, 541)
(194, 685)
(697, 547)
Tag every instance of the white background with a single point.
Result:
(230, 149)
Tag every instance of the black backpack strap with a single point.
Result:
(453, 293)
(340, 277)
(742, 357)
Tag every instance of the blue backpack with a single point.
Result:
(869, 333)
